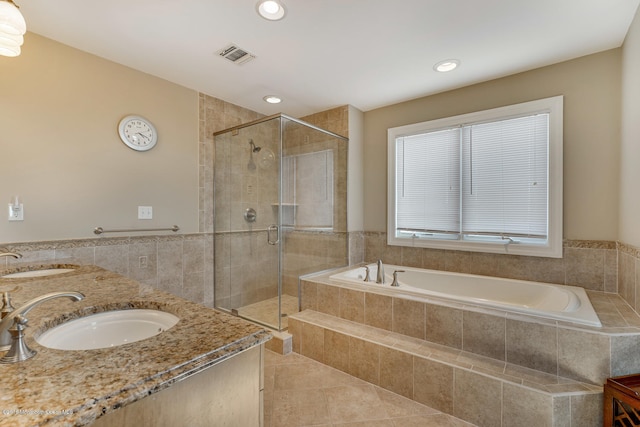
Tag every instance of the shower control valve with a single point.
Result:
(250, 215)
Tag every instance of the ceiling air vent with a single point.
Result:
(236, 55)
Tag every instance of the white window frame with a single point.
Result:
(552, 247)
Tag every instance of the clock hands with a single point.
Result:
(144, 136)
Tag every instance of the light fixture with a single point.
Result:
(446, 65)
(12, 28)
(272, 10)
(272, 99)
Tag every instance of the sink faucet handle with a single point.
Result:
(395, 277)
(6, 305)
(7, 322)
(19, 350)
(367, 277)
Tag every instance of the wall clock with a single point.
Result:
(138, 133)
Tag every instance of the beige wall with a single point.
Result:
(630, 142)
(591, 89)
(60, 150)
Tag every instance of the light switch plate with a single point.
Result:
(145, 212)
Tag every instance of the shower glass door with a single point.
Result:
(279, 212)
(246, 224)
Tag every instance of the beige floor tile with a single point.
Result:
(267, 397)
(302, 392)
(437, 420)
(293, 409)
(271, 358)
(399, 406)
(369, 423)
(310, 375)
(354, 403)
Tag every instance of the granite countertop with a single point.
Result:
(73, 388)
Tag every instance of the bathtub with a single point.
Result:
(558, 302)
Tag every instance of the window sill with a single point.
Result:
(548, 250)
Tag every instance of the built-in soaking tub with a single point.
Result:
(558, 302)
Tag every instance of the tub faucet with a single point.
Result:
(367, 278)
(395, 278)
(380, 275)
(8, 320)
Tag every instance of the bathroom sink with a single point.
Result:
(37, 273)
(107, 329)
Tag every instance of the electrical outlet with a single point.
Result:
(145, 212)
(16, 212)
(143, 261)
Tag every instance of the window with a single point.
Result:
(489, 181)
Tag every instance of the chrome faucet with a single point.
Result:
(367, 278)
(395, 278)
(15, 255)
(9, 319)
(380, 275)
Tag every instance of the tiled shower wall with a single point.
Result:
(245, 264)
(335, 120)
(215, 115)
(309, 250)
(309, 247)
(250, 261)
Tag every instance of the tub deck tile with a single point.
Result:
(459, 359)
(455, 381)
(478, 362)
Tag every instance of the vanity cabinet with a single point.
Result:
(228, 393)
(206, 370)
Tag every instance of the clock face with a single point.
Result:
(137, 133)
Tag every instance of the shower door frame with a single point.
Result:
(280, 242)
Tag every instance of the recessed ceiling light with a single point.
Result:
(272, 10)
(446, 65)
(272, 99)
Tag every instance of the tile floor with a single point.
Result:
(266, 312)
(302, 392)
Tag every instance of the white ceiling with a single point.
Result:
(326, 53)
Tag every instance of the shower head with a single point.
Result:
(253, 146)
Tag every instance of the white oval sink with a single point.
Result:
(107, 329)
(37, 273)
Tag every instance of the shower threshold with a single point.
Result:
(266, 312)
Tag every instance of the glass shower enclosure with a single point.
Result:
(280, 211)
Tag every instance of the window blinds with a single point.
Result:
(428, 182)
(481, 179)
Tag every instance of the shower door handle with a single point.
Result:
(271, 229)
